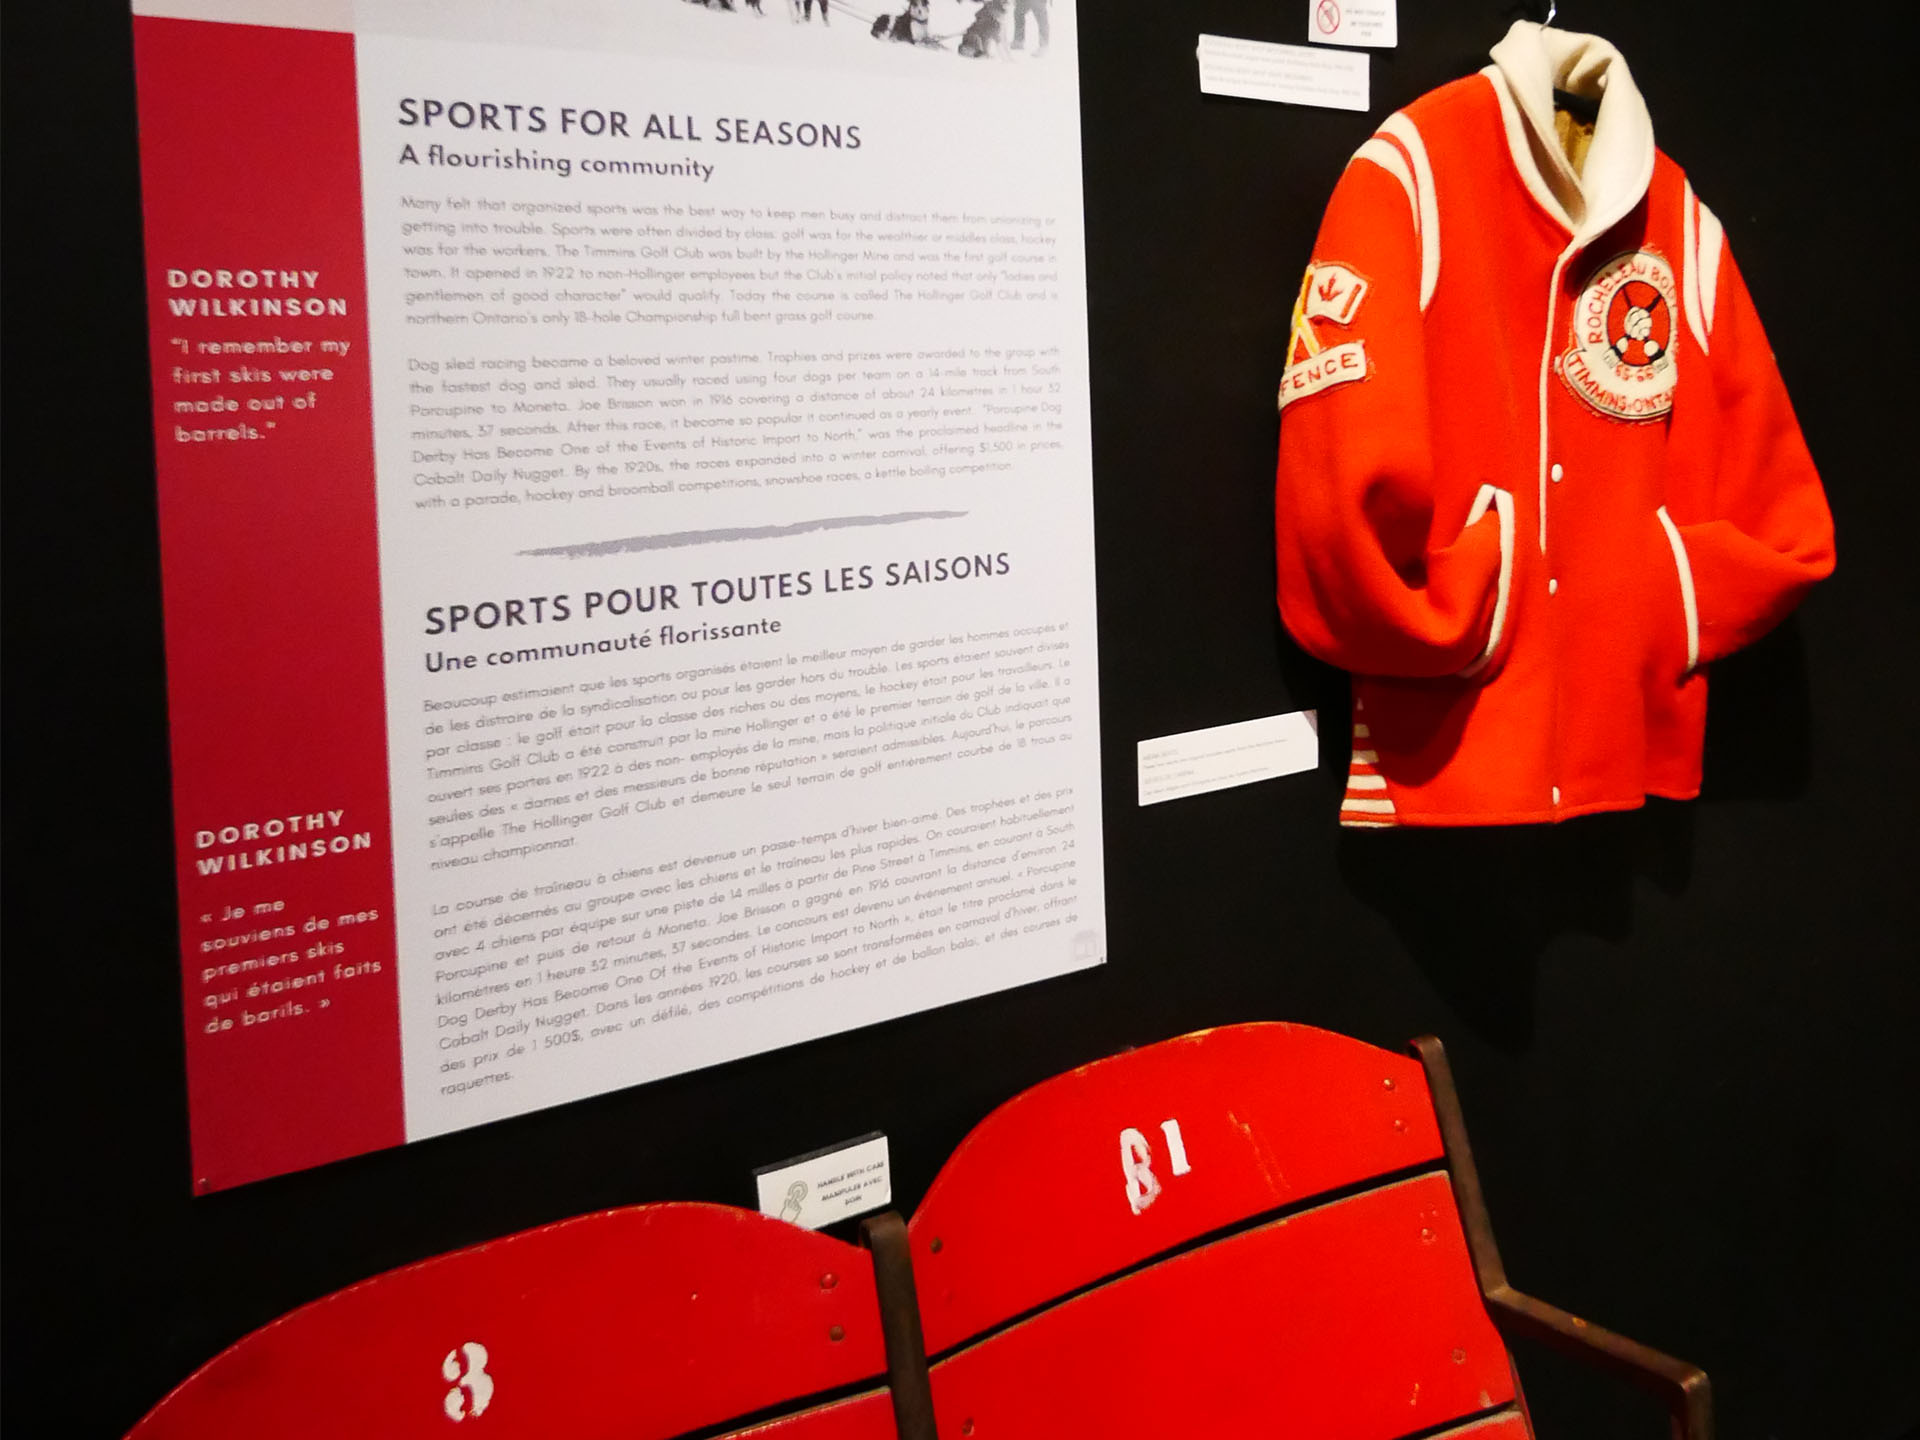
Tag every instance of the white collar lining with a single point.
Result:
(1528, 65)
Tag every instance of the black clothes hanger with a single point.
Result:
(1583, 108)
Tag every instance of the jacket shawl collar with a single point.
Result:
(1528, 65)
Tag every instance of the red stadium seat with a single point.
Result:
(1253, 1230)
(642, 1323)
(1253, 1226)
(1266, 1116)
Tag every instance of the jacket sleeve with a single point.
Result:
(1370, 578)
(1759, 533)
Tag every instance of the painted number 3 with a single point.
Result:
(1136, 1161)
(465, 1369)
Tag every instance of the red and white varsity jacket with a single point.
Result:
(1537, 466)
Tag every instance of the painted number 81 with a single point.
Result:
(1136, 1162)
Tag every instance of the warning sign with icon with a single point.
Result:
(1371, 23)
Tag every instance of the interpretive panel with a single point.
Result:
(627, 536)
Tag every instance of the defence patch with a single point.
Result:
(1331, 293)
(1621, 356)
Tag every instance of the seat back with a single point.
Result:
(643, 1323)
(1246, 1228)
(1244, 1231)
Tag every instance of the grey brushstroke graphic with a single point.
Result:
(679, 538)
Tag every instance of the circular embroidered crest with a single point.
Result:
(1621, 361)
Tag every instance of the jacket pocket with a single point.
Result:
(1499, 501)
(1689, 604)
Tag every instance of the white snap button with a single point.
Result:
(1557, 473)
(1556, 794)
(1553, 587)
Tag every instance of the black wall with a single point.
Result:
(1685, 1037)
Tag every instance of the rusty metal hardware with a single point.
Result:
(1682, 1387)
(908, 1380)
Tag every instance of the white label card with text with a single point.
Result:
(1197, 761)
(816, 1190)
(1290, 74)
(1374, 23)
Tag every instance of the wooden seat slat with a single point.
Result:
(1357, 1320)
(862, 1417)
(1509, 1425)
